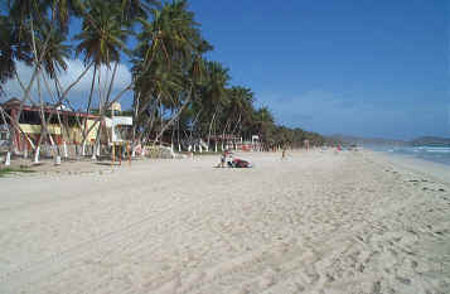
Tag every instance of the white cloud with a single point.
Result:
(79, 93)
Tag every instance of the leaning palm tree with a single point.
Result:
(214, 95)
(49, 45)
(54, 60)
(35, 26)
(167, 65)
(102, 41)
(239, 109)
(55, 51)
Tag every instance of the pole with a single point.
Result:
(120, 154)
(128, 152)
(8, 159)
(113, 153)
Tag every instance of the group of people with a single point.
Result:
(228, 160)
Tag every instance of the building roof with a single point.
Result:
(14, 103)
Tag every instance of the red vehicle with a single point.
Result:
(240, 163)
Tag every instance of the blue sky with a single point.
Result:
(372, 68)
(369, 68)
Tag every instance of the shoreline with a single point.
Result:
(426, 167)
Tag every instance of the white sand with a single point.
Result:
(314, 223)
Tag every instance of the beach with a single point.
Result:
(315, 222)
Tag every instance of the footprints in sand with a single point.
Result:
(426, 185)
(384, 255)
(422, 183)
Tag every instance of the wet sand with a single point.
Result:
(317, 222)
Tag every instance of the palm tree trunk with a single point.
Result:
(174, 117)
(223, 133)
(37, 60)
(148, 124)
(65, 136)
(101, 110)
(111, 84)
(57, 114)
(178, 131)
(26, 96)
(16, 127)
(136, 100)
(237, 124)
(88, 109)
(210, 126)
(44, 123)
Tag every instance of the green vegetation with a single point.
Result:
(10, 170)
(178, 94)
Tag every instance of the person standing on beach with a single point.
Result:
(306, 144)
(223, 158)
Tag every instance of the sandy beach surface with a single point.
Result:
(317, 222)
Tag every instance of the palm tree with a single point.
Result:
(214, 96)
(264, 124)
(132, 10)
(102, 40)
(240, 108)
(7, 54)
(37, 40)
(61, 10)
(167, 65)
(48, 44)
(103, 36)
(55, 51)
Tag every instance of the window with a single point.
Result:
(30, 117)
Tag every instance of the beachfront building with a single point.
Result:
(119, 127)
(65, 125)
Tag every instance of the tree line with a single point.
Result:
(178, 95)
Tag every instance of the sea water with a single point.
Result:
(440, 154)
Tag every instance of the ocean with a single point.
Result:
(439, 154)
